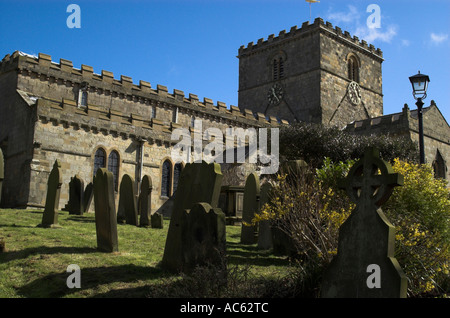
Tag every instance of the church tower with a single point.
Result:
(313, 74)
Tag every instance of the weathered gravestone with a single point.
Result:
(87, 197)
(145, 201)
(365, 265)
(50, 216)
(76, 196)
(265, 241)
(105, 211)
(2, 173)
(204, 237)
(251, 206)
(127, 210)
(157, 221)
(199, 183)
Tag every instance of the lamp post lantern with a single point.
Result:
(419, 84)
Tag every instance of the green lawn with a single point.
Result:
(36, 260)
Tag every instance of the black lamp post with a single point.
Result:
(420, 85)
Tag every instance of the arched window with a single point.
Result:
(99, 160)
(113, 166)
(176, 175)
(353, 69)
(166, 179)
(278, 68)
(439, 166)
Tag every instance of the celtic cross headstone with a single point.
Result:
(365, 265)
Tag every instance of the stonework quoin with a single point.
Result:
(2, 173)
(50, 216)
(251, 206)
(199, 183)
(365, 265)
(145, 201)
(127, 210)
(76, 196)
(105, 211)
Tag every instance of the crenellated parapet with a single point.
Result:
(104, 83)
(319, 25)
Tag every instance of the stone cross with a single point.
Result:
(127, 209)
(365, 265)
(50, 216)
(105, 211)
(2, 173)
(251, 206)
(145, 201)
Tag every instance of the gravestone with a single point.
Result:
(265, 241)
(50, 216)
(76, 195)
(145, 201)
(199, 182)
(251, 206)
(88, 196)
(127, 210)
(365, 265)
(157, 220)
(203, 237)
(105, 211)
(2, 173)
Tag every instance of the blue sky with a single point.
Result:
(191, 45)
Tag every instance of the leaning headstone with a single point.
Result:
(203, 237)
(365, 265)
(127, 210)
(265, 241)
(76, 195)
(105, 211)
(2, 173)
(157, 221)
(50, 216)
(88, 196)
(251, 206)
(145, 201)
(199, 182)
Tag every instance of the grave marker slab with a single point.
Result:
(251, 206)
(145, 201)
(127, 209)
(76, 195)
(50, 216)
(88, 196)
(105, 211)
(366, 239)
(2, 173)
(199, 182)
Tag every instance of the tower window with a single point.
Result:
(82, 98)
(353, 69)
(278, 68)
(175, 115)
(153, 111)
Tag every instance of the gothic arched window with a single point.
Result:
(353, 69)
(439, 166)
(113, 166)
(176, 175)
(166, 179)
(99, 160)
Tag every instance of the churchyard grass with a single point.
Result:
(36, 259)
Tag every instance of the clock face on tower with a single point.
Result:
(275, 94)
(354, 93)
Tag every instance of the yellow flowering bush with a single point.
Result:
(420, 212)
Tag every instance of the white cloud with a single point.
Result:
(344, 17)
(406, 42)
(372, 34)
(438, 38)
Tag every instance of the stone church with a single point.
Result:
(317, 73)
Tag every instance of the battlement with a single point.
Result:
(306, 28)
(64, 72)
